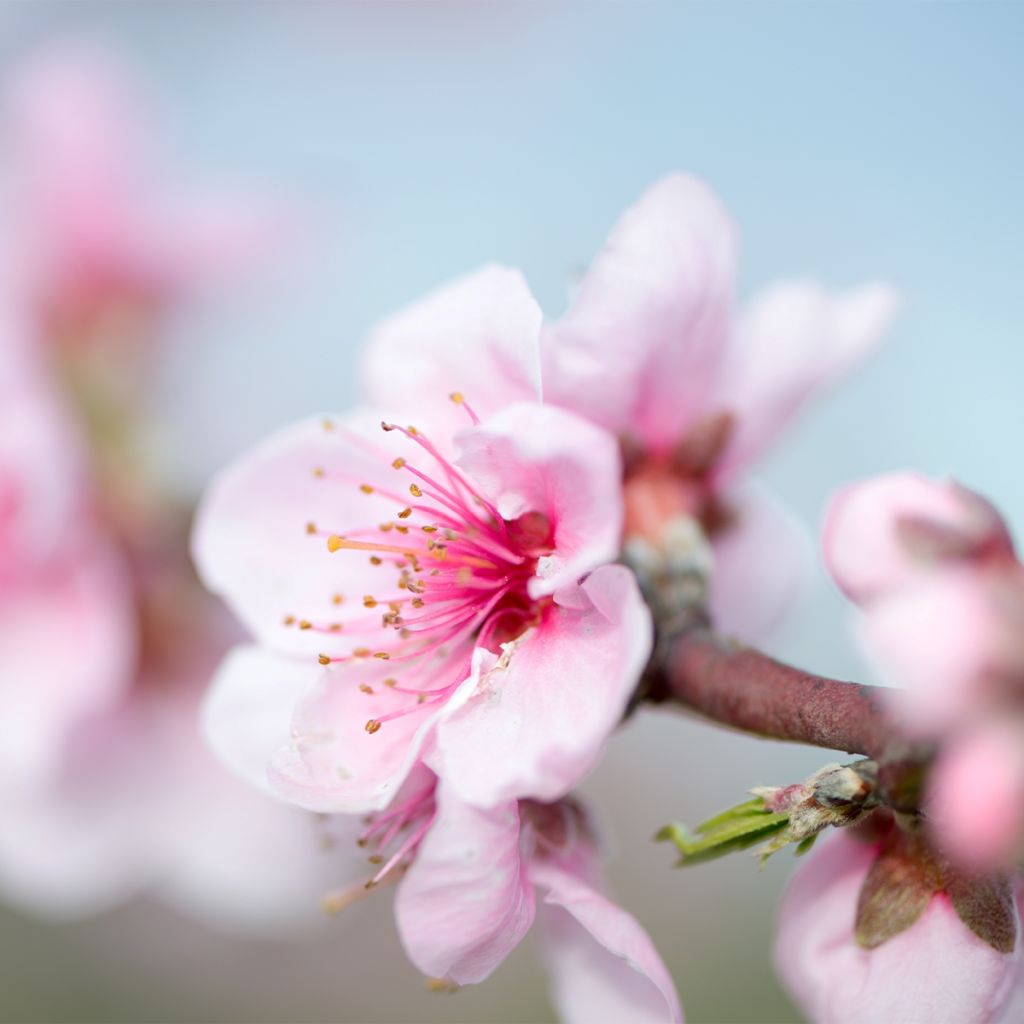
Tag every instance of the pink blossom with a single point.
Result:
(106, 237)
(650, 350)
(933, 569)
(976, 794)
(463, 606)
(106, 641)
(471, 881)
(936, 970)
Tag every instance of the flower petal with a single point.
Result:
(333, 764)
(603, 966)
(478, 336)
(936, 970)
(67, 651)
(641, 346)
(864, 539)
(536, 458)
(942, 640)
(976, 796)
(465, 903)
(761, 558)
(251, 543)
(535, 723)
(794, 341)
(247, 711)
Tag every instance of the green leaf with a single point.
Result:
(737, 828)
(805, 844)
(748, 809)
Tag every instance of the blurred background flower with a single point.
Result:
(848, 141)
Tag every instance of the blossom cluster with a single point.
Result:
(455, 589)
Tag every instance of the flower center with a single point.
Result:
(453, 576)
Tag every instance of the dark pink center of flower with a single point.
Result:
(454, 575)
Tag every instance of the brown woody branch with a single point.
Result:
(743, 688)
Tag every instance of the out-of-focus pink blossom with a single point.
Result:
(936, 970)
(933, 569)
(651, 351)
(106, 234)
(976, 794)
(463, 606)
(106, 640)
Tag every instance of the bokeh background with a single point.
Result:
(851, 140)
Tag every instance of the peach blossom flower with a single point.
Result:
(651, 351)
(468, 617)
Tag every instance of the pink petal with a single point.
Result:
(863, 545)
(67, 651)
(536, 458)
(935, 971)
(535, 723)
(43, 483)
(465, 903)
(796, 340)
(248, 709)
(332, 763)
(976, 796)
(251, 544)
(938, 640)
(80, 140)
(642, 344)
(478, 335)
(603, 966)
(761, 559)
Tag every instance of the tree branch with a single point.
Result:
(740, 687)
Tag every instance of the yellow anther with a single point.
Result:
(335, 627)
(310, 527)
(334, 542)
(415, 490)
(327, 424)
(386, 527)
(337, 599)
(376, 560)
(398, 463)
(369, 601)
(375, 858)
(456, 397)
(323, 659)
(305, 624)
(403, 529)
(404, 514)
(421, 699)
(383, 655)
(429, 529)
(417, 602)
(390, 682)
(372, 726)
(412, 430)
(365, 688)
(361, 652)
(289, 620)
(366, 488)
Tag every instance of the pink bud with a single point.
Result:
(936, 970)
(976, 796)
